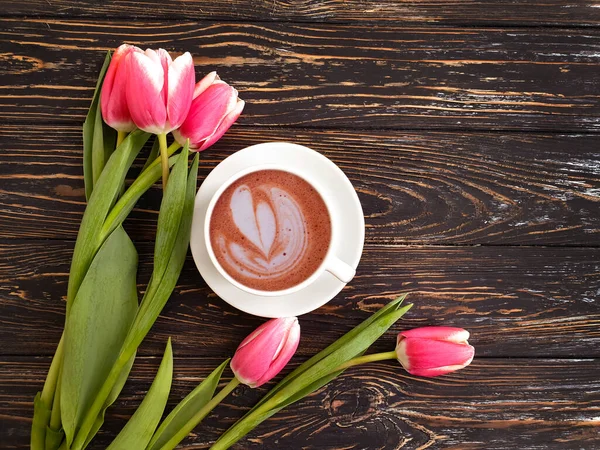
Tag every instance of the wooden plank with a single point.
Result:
(463, 12)
(516, 301)
(415, 188)
(493, 404)
(324, 75)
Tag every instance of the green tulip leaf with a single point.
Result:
(103, 144)
(233, 435)
(242, 427)
(101, 201)
(161, 287)
(116, 390)
(344, 353)
(99, 320)
(255, 419)
(186, 409)
(88, 131)
(98, 156)
(315, 386)
(139, 429)
(348, 337)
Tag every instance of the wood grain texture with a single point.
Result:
(415, 188)
(493, 404)
(463, 12)
(516, 301)
(491, 223)
(324, 75)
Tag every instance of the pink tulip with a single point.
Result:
(214, 109)
(263, 354)
(113, 100)
(159, 90)
(433, 351)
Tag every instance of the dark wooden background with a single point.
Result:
(471, 131)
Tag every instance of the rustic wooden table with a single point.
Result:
(470, 131)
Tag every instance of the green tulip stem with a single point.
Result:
(366, 359)
(200, 415)
(55, 422)
(174, 147)
(121, 135)
(53, 374)
(164, 155)
(142, 183)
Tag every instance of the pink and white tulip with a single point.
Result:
(113, 99)
(159, 89)
(266, 351)
(433, 351)
(214, 109)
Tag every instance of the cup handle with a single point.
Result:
(340, 269)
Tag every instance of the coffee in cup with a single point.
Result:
(270, 230)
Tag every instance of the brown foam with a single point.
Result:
(317, 226)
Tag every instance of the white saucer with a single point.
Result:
(346, 208)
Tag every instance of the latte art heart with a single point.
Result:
(264, 229)
(273, 224)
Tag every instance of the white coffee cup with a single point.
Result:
(331, 263)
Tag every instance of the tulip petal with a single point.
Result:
(160, 57)
(283, 355)
(224, 125)
(253, 335)
(180, 89)
(165, 62)
(205, 83)
(107, 85)
(214, 109)
(180, 138)
(144, 92)
(208, 111)
(165, 58)
(419, 356)
(253, 358)
(451, 334)
(266, 351)
(113, 100)
(112, 69)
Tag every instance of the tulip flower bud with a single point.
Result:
(263, 354)
(159, 90)
(214, 109)
(433, 351)
(113, 99)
